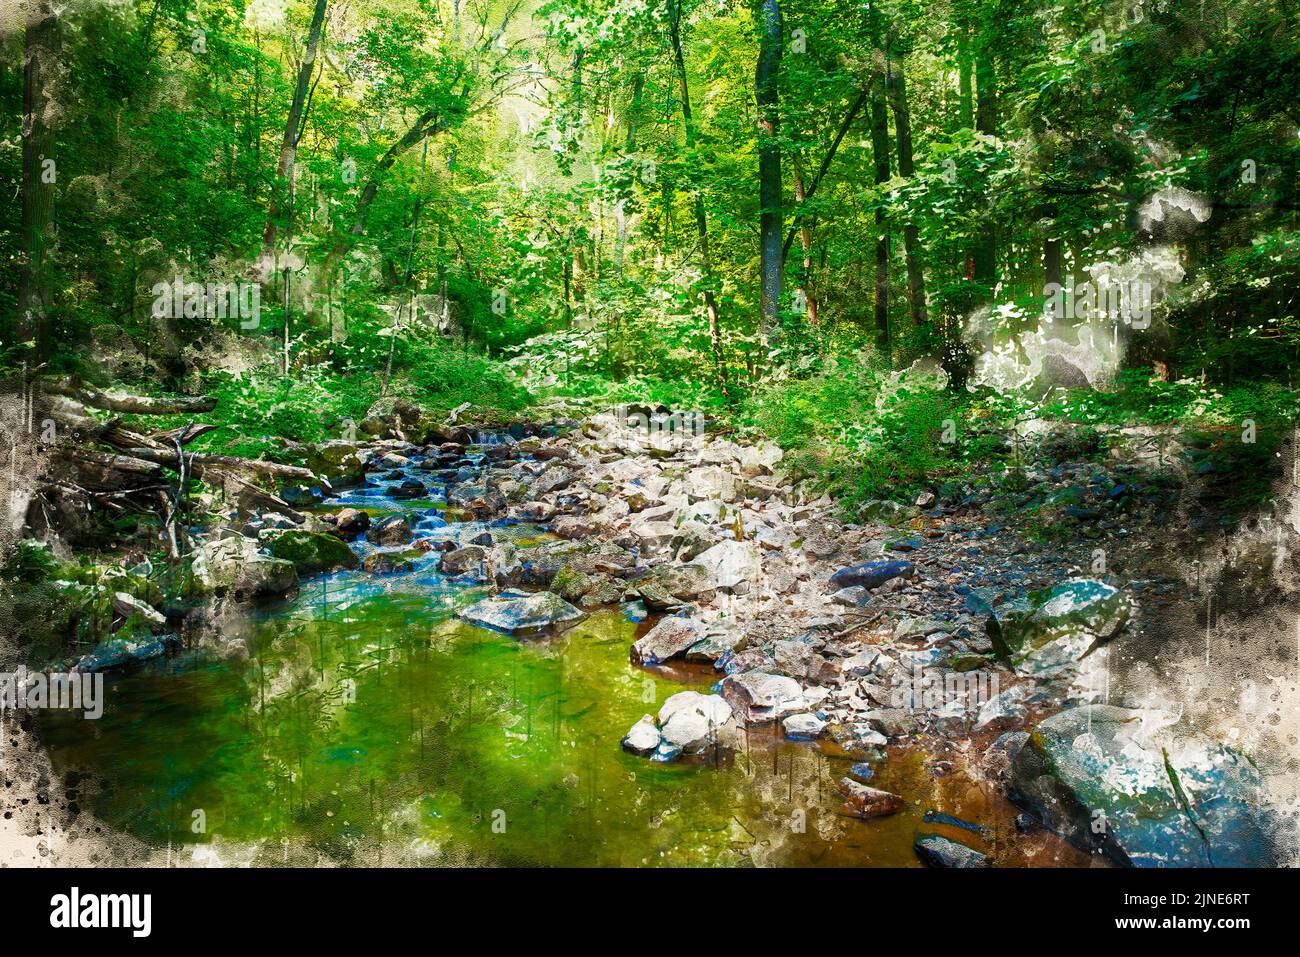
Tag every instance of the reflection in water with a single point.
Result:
(369, 726)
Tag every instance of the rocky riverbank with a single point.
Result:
(937, 628)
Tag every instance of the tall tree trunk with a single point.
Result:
(805, 244)
(986, 122)
(292, 133)
(766, 95)
(701, 221)
(911, 234)
(41, 40)
(965, 111)
(880, 151)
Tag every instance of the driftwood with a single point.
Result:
(131, 404)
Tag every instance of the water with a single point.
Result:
(369, 726)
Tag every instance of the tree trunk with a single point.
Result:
(911, 234)
(701, 221)
(292, 133)
(37, 226)
(766, 95)
(880, 152)
(430, 123)
(986, 95)
(805, 244)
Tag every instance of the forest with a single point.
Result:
(891, 385)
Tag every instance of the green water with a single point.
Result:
(368, 726)
(385, 733)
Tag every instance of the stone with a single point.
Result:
(121, 654)
(717, 647)
(868, 802)
(1049, 629)
(236, 566)
(711, 482)
(127, 605)
(668, 638)
(393, 530)
(643, 738)
(935, 850)
(759, 697)
(1003, 712)
(310, 552)
(522, 615)
(731, 564)
(461, 561)
(872, 574)
(1144, 790)
(339, 463)
(712, 707)
(803, 726)
(756, 460)
(386, 563)
(350, 522)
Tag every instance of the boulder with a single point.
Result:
(523, 615)
(350, 522)
(804, 726)
(732, 564)
(1055, 627)
(462, 560)
(310, 552)
(126, 606)
(668, 638)
(340, 463)
(690, 722)
(759, 697)
(756, 460)
(236, 566)
(1143, 790)
(393, 530)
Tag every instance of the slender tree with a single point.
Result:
(766, 95)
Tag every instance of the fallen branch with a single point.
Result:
(130, 404)
(201, 461)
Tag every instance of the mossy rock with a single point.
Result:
(310, 552)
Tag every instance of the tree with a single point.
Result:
(766, 96)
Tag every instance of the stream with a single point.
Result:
(367, 726)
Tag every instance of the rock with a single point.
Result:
(235, 566)
(873, 574)
(683, 581)
(803, 726)
(121, 654)
(732, 564)
(1059, 372)
(461, 561)
(925, 500)
(573, 527)
(937, 851)
(668, 638)
(793, 658)
(643, 739)
(759, 697)
(868, 802)
(715, 648)
(126, 606)
(410, 488)
(522, 615)
(350, 522)
(310, 552)
(555, 478)
(689, 722)
(339, 463)
(854, 597)
(1142, 790)
(756, 460)
(386, 563)
(393, 530)
(653, 537)
(1052, 628)
(1003, 711)
(711, 482)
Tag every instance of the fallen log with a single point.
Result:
(204, 460)
(184, 435)
(130, 404)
